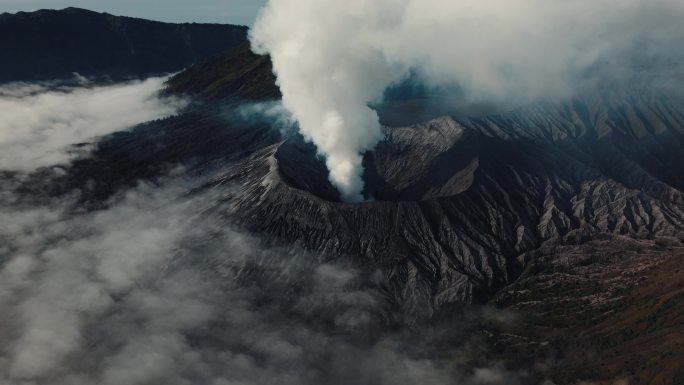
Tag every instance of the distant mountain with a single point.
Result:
(49, 44)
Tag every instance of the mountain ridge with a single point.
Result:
(49, 44)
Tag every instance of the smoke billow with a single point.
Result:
(39, 122)
(333, 58)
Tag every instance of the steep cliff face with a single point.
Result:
(48, 44)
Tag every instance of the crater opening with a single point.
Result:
(425, 161)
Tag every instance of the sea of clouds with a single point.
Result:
(40, 121)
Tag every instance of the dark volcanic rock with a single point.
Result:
(48, 44)
(462, 204)
(431, 160)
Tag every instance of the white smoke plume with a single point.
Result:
(334, 57)
(39, 122)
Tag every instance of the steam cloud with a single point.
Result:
(334, 57)
(38, 122)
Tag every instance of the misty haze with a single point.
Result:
(361, 192)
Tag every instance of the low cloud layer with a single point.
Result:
(334, 57)
(154, 290)
(39, 123)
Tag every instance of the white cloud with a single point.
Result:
(38, 123)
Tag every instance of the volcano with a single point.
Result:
(570, 212)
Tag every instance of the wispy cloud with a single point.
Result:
(38, 122)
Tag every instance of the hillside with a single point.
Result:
(235, 75)
(49, 44)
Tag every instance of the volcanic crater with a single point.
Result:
(429, 160)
